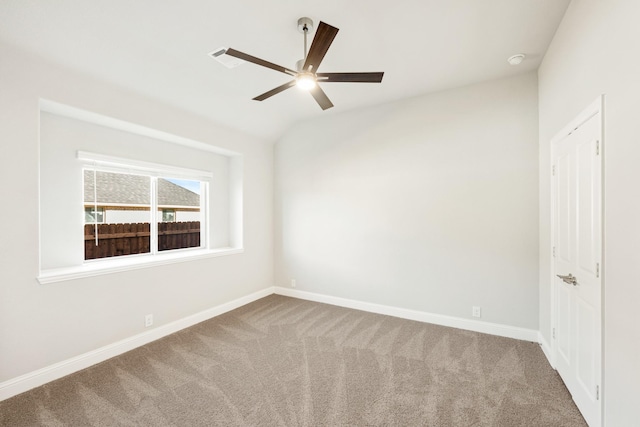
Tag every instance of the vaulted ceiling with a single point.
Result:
(159, 48)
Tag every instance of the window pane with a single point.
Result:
(168, 215)
(93, 215)
(124, 200)
(178, 214)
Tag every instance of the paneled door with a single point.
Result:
(577, 170)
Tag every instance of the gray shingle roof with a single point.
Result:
(119, 188)
(171, 194)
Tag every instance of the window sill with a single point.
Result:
(116, 265)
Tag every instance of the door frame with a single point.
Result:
(596, 107)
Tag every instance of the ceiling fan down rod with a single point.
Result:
(304, 53)
(304, 26)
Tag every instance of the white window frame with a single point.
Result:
(103, 163)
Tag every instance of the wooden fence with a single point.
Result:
(134, 238)
(178, 235)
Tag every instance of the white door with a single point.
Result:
(578, 264)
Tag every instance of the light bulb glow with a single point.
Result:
(306, 81)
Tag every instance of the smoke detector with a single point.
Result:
(516, 59)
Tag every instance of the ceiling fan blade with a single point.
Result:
(258, 61)
(321, 42)
(321, 98)
(275, 91)
(350, 77)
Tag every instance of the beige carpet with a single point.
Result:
(286, 362)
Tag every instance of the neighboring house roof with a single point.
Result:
(125, 189)
(170, 194)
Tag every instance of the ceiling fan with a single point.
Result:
(306, 75)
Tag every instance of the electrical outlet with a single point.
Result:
(476, 311)
(148, 320)
(293, 283)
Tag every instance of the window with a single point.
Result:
(128, 200)
(168, 215)
(93, 215)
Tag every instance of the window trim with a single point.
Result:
(132, 262)
(142, 168)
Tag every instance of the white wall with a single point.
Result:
(184, 216)
(44, 324)
(428, 203)
(594, 52)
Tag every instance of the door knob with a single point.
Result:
(570, 279)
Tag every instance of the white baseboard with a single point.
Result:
(420, 316)
(546, 349)
(42, 376)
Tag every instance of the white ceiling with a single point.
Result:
(159, 48)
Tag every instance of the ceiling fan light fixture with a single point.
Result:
(306, 81)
